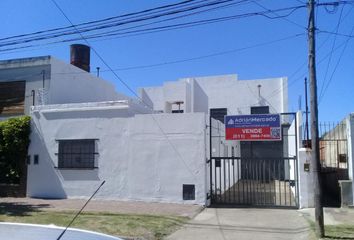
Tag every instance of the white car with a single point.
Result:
(20, 231)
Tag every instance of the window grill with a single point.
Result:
(79, 154)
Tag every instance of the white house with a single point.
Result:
(200, 94)
(168, 146)
(46, 80)
(146, 157)
(144, 153)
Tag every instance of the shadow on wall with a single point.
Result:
(43, 179)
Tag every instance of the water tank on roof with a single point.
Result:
(80, 56)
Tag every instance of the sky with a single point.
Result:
(253, 47)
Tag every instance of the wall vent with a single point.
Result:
(188, 192)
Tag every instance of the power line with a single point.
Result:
(185, 59)
(337, 34)
(96, 27)
(335, 68)
(191, 59)
(122, 33)
(126, 85)
(284, 18)
(277, 91)
(96, 21)
(145, 15)
(335, 3)
(202, 56)
(331, 53)
(94, 50)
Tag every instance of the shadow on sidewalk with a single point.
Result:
(20, 208)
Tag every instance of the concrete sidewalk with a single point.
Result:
(244, 224)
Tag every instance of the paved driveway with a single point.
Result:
(245, 223)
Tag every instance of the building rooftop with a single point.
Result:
(92, 106)
(25, 62)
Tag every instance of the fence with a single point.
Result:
(333, 145)
(334, 160)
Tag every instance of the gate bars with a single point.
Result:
(253, 181)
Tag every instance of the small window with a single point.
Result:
(177, 107)
(77, 153)
(177, 111)
(342, 158)
(218, 113)
(188, 192)
(260, 110)
(36, 159)
(28, 159)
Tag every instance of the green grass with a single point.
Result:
(147, 226)
(341, 231)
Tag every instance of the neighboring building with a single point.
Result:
(336, 154)
(333, 145)
(46, 80)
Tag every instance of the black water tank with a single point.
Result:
(80, 56)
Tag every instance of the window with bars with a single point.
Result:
(80, 154)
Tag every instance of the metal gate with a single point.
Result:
(334, 161)
(257, 174)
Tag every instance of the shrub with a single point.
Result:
(14, 141)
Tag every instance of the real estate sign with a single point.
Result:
(255, 127)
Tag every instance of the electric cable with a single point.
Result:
(285, 19)
(335, 68)
(122, 81)
(331, 53)
(199, 57)
(115, 24)
(160, 28)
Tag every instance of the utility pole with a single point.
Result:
(316, 165)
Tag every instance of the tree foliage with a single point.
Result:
(14, 141)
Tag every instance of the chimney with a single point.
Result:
(80, 56)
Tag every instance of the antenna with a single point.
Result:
(299, 102)
(259, 93)
(98, 71)
(77, 214)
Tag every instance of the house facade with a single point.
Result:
(155, 148)
(226, 92)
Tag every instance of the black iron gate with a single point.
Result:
(334, 161)
(257, 174)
